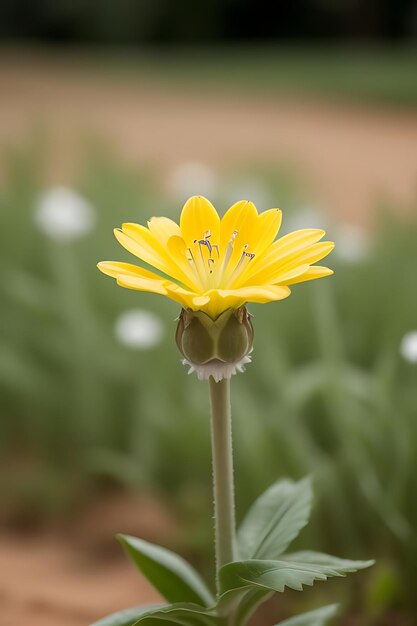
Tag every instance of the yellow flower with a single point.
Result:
(210, 264)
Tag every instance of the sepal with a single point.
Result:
(215, 347)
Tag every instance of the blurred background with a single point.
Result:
(118, 111)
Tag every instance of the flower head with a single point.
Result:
(211, 264)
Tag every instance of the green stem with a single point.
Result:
(223, 486)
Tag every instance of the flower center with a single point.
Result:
(215, 268)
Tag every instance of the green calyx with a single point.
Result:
(201, 339)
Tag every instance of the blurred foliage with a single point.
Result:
(382, 75)
(165, 22)
(328, 392)
(366, 74)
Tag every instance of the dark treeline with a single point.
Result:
(194, 21)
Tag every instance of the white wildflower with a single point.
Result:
(64, 215)
(408, 347)
(139, 329)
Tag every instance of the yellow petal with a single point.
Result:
(264, 233)
(142, 284)
(308, 256)
(297, 240)
(140, 279)
(282, 251)
(256, 293)
(184, 296)
(134, 277)
(142, 243)
(237, 234)
(269, 223)
(199, 217)
(200, 301)
(162, 287)
(210, 303)
(222, 299)
(162, 228)
(139, 241)
(288, 275)
(314, 272)
(178, 251)
(116, 268)
(311, 254)
(242, 218)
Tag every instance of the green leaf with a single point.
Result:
(318, 617)
(249, 602)
(127, 617)
(320, 559)
(275, 519)
(169, 573)
(181, 614)
(241, 603)
(293, 571)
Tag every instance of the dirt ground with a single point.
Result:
(72, 573)
(351, 155)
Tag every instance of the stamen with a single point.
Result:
(206, 264)
(244, 255)
(191, 257)
(239, 267)
(204, 242)
(229, 250)
(196, 263)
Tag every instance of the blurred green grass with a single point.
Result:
(370, 74)
(328, 392)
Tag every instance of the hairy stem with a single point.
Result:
(223, 485)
